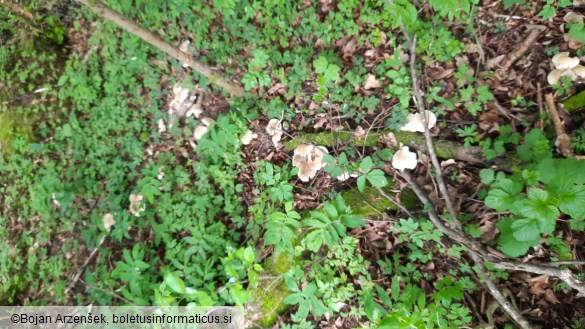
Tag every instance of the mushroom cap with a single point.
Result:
(415, 123)
(276, 137)
(248, 137)
(273, 126)
(135, 204)
(200, 130)
(343, 177)
(304, 149)
(207, 121)
(579, 71)
(309, 159)
(318, 154)
(108, 221)
(307, 171)
(562, 61)
(554, 76)
(404, 159)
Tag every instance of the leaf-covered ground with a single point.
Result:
(116, 184)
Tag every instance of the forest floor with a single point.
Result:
(484, 73)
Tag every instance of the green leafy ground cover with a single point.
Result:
(220, 222)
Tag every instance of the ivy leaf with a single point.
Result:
(352, 221)
(175, 283)
(509, 245)
(526, 229)
(366, 164)
(330, 210)
(376, 178)
(293, 299)
(487, 176)
(361, 183)
(314, 240)
(250, 81)
(539, 206)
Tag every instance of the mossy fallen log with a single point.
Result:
(444, 149)
(575, 102)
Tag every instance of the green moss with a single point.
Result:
(444, 149)
(575, 102)
(268, 297)
(12, 126)
(329, 139)
(368, 203)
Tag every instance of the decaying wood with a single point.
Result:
(563, 141)
(104, 11)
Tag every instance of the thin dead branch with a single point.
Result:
(457, 234)
(428, 138)
(18, 9)
(473, 247)
(130, 26)
(563, 141)
(519, 52)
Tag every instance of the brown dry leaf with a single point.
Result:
(550, 296)
(349, 48)
(438, 73)
(489, 231)
(371, 82)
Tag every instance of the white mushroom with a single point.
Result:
(565, 66)
(371, 82)
(276, 137)
(136, 206)
(404, 159)
(343, 177)
(248, 137)
(554, 76)
(161, 126)
(415, 123)
(200, 130)
(309, 159)
(304, 150)
(207, 121)
(307, 171)
(318, 154)
(562, 61)
(273, 126)
(579, 71)
(108, 221)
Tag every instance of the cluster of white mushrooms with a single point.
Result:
(309, 159)
(403, 158)
(565, 65)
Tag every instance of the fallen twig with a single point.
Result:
(457, 234)
(473, 247)
(130, 26)
(519, 52)
(563, 141)
(428, 138)
(18, 9)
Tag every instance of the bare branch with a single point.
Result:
(429, 140)
(130, 26)
(497, 293)
(564, 274)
